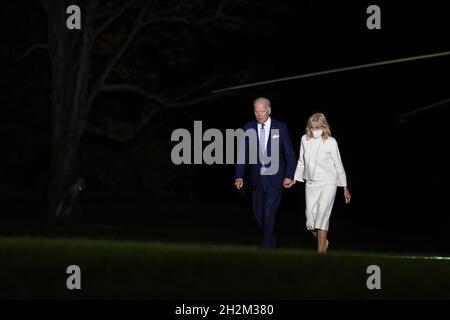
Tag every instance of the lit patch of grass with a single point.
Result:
(36, 268)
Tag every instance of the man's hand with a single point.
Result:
(287, 183)
(239, 183)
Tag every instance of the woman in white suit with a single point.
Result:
(320, 166)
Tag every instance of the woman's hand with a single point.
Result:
(347, 195)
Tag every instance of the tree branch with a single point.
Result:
(130, 133)
(180, 19)
(137, 90)
(159, 100)
(195, 89)
(115, 16)
(101, 80)
(31, 49)
(46, 4)
(140, 24)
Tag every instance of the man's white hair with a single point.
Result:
(263, 100)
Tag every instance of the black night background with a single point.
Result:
(101, 103)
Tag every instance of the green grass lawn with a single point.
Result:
(35, 267)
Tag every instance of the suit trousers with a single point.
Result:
(265, 203)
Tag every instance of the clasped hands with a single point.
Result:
(287, 183)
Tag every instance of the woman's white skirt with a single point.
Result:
(319, 203)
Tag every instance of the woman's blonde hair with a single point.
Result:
(320, 118)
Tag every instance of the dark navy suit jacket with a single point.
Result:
(287, 157)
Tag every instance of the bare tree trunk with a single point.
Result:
(70, 71)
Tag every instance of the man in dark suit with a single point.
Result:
(267, 177)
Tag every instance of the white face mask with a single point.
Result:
(317, 133)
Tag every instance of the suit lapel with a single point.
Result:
(255, 126)
(269, 142)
